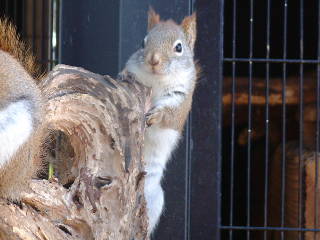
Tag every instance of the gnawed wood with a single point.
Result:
(95, 137)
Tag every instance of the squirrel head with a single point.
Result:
(166, 51)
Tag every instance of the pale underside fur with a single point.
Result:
(160, 142)
(15, 129)
(161, 85)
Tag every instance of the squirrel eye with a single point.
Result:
(178, 48)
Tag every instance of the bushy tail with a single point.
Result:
(11, 42)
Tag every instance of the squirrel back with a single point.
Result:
(20, 113)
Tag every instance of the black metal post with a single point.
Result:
(206, 123)
(90, 35)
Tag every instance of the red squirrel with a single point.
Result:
(165, 63)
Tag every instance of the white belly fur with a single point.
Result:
(15, 129)
(159, 144)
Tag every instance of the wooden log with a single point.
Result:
(258, 97)
(96, 126)
(292, 90)
(299, 199)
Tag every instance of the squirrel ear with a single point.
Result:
(153, 18)
(189, 26)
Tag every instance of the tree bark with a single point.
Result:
(94, 139)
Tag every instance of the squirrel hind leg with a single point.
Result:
(15, 176)
(155, 200)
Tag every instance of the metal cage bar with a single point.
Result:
(301, 72)
(317, 141)
(266, 172)
(233, 115)
(284, 111)
(248, 188)
(37, 23)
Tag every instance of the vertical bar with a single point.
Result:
(206, 160)
(23, 20)
(7, 8)
(188, 163)
(266, 172)
(300, 217)
(59, 23)
(120, 60)
(56, 40)
(284, 83)
(15, 6)
(188, 178)
(249, 121)
(33, 27)
(51, 36)
(54, 33)
(46, 34)
(234, 28)
(316, 190)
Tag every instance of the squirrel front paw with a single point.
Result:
(154, 116)
(125, 76)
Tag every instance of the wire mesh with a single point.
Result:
(271, 120)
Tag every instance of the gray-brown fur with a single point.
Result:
(16, 84)
(175, 118)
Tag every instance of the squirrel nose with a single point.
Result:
(155, 59)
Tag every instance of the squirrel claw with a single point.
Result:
(125, 76)
(153, 117)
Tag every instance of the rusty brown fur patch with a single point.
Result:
(153, 18)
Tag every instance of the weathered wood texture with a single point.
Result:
(95, 125)
(297, 197)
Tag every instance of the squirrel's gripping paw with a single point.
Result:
(126, 76)
(154, 116)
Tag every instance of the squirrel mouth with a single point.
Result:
(156, 71)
